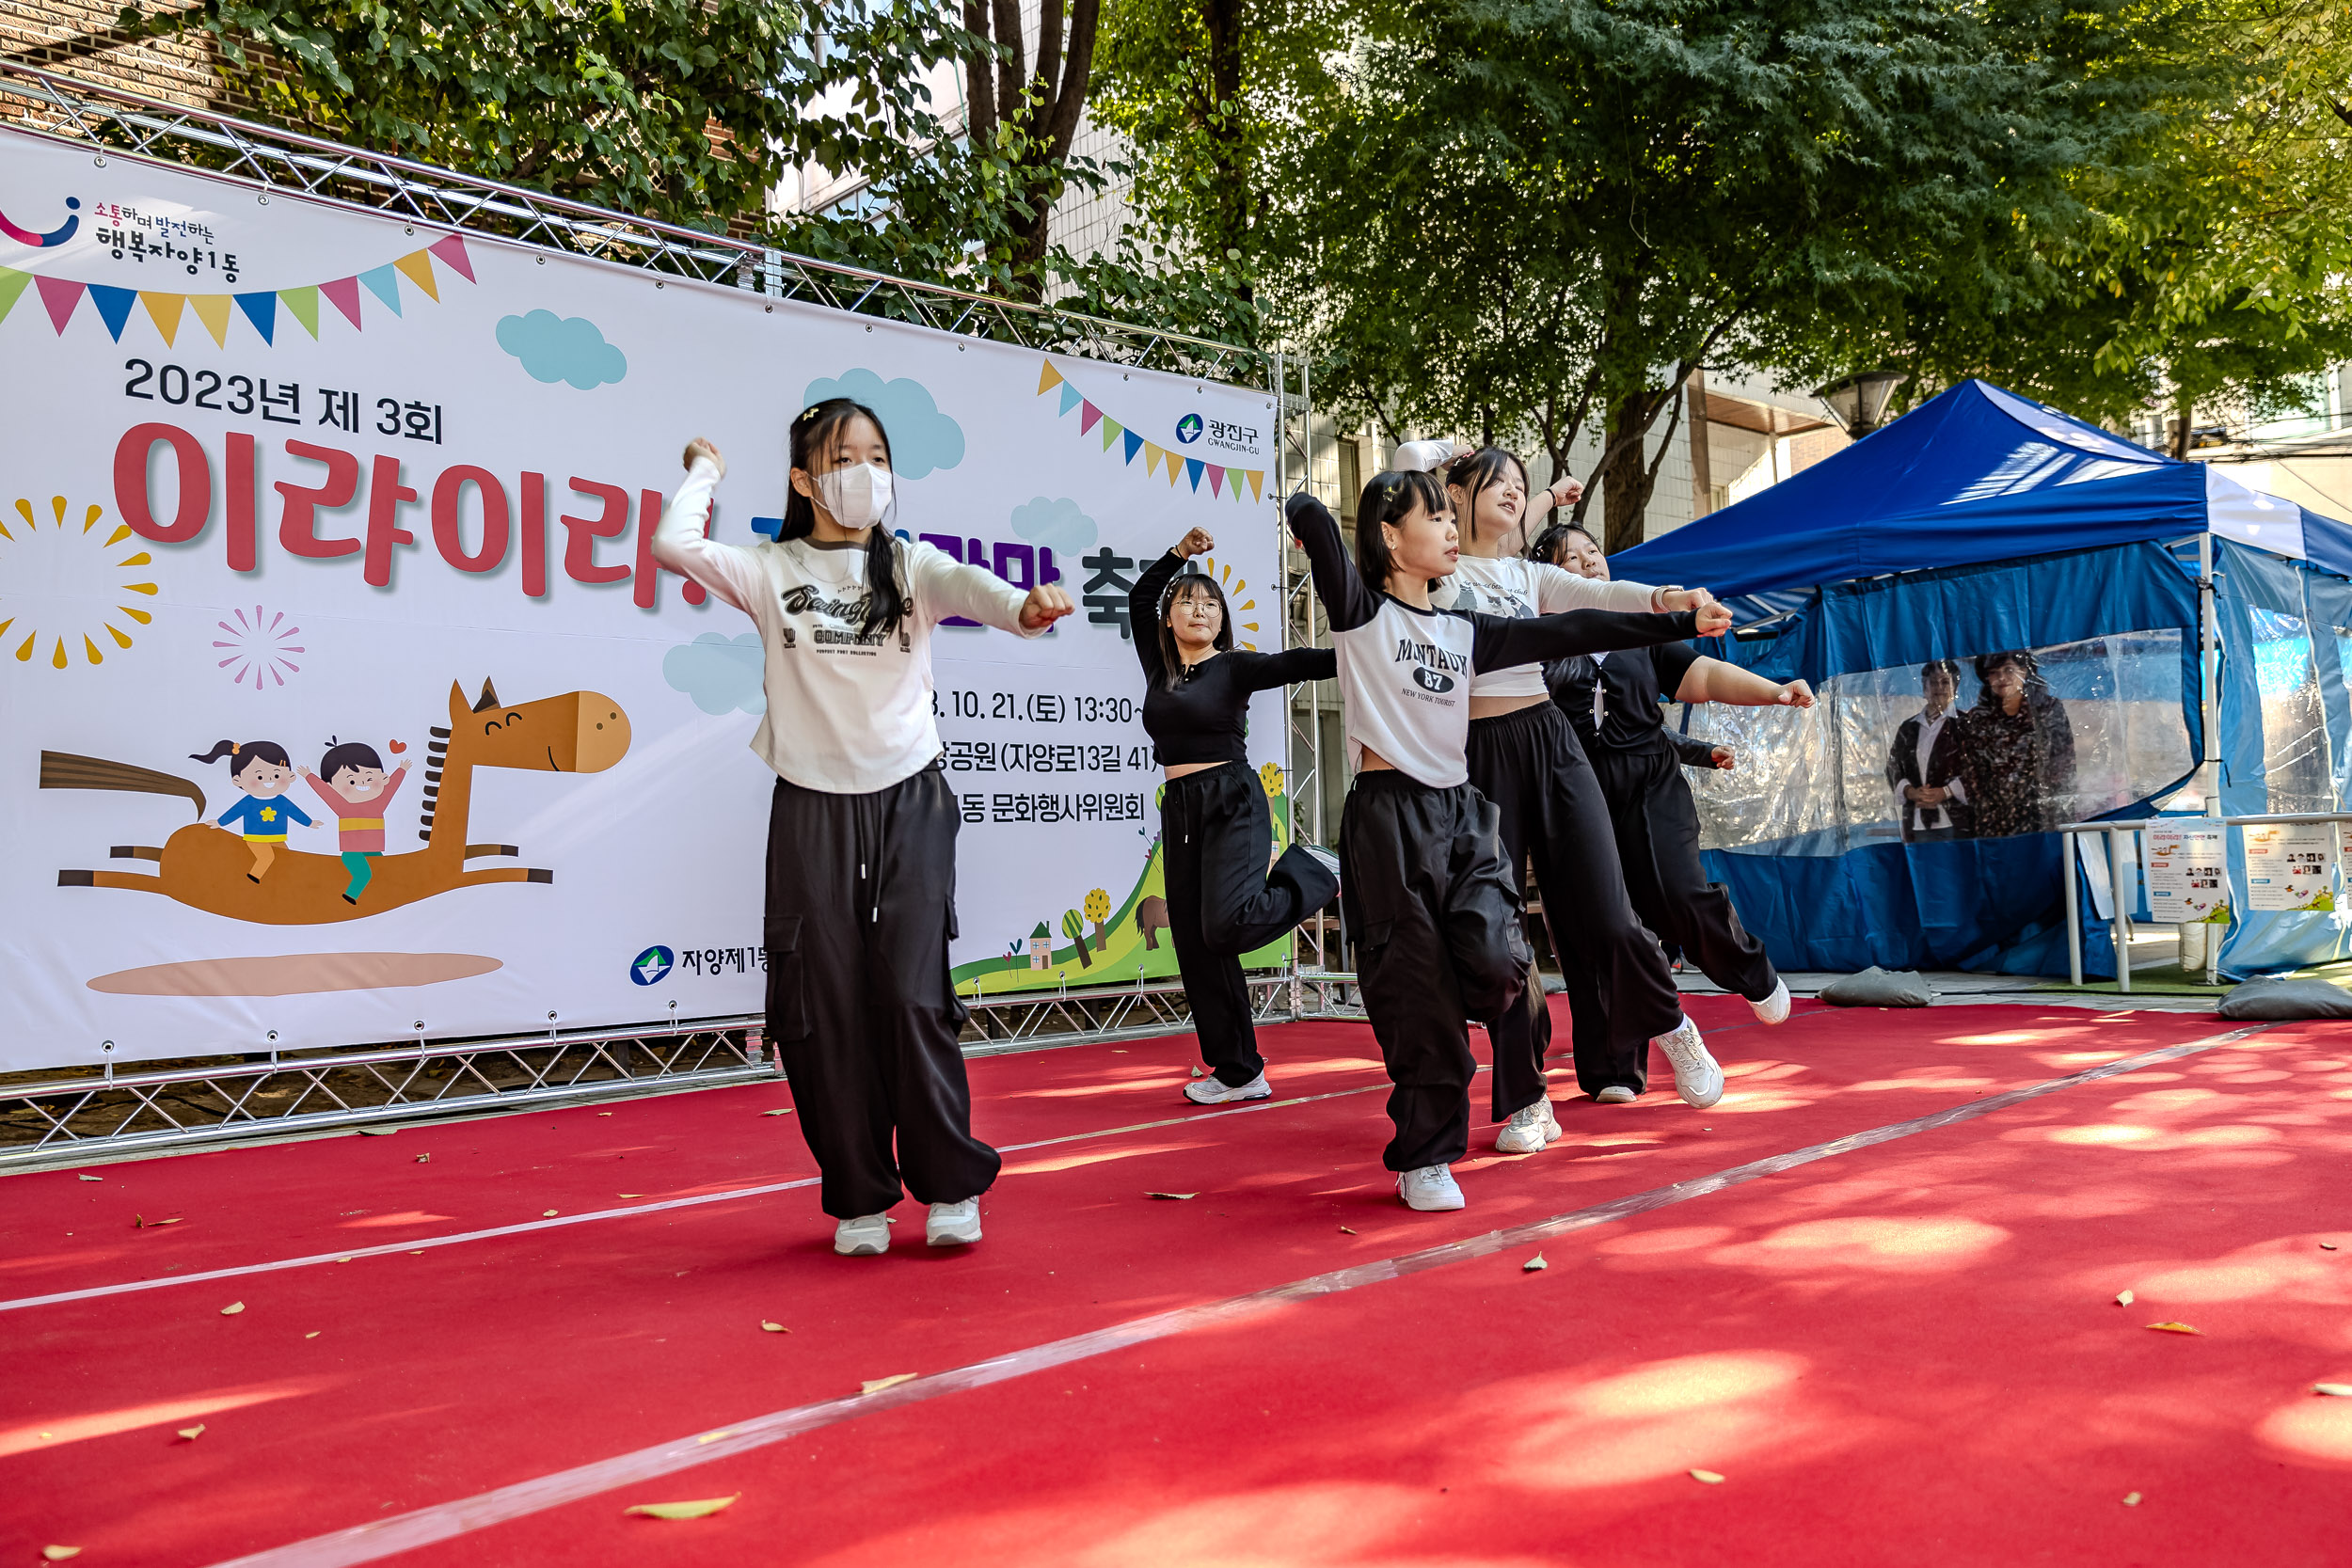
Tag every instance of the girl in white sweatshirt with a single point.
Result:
(861, 833)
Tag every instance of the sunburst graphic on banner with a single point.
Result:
(259, 647)
(1234, 588)
(49, 569)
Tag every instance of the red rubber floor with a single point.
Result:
(1904, 1351)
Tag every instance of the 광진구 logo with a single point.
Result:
(648, 967)
(1188, 429)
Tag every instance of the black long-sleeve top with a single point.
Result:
(1203, 714)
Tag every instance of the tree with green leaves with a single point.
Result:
(683, 110)
(1541, 216)
(2215, 269)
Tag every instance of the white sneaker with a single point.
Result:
(867, 1236)
(1529, 1129)
(1430, 1189)
(1697, 1079)
(1213, 1090)
(1616, 1094)
(953, 1224)
(1774, 1008)
(1323, 858)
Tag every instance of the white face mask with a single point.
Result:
(858, 496)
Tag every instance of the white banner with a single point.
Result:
(2188, 879)
(2290, 865)
(285, 474)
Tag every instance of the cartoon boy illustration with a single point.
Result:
(264, 773)
(352, 781)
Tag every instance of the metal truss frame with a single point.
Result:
(72, 1116)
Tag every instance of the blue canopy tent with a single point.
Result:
(1982, 522)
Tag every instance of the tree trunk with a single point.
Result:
(1228, 155)
(1624, 483)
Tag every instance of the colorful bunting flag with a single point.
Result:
(213, 310)
(303, 305)
(114, 305)
(1224, 482)
(62, 296)
(164, 310)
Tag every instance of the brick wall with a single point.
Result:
(79, 38)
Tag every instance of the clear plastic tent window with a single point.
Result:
(2296, 770)
(2041, 737)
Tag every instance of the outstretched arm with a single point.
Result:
(1143, 610)
(681, 543)
(1711, 680)
(1692, 751)
(1500, 642)
(1264, 672)
(1345, 598)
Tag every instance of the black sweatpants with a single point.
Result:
(1532, 766)
(860, 903)
(1222, 902)
(1436, 914)
(1656, 824)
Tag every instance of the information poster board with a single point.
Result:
(2290, 865)
(2189, 879)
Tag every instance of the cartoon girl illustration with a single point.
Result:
(352, 781)
(264, 773)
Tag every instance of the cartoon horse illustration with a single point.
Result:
(204, 867)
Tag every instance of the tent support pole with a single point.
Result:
(2122, 916)
(2208, 707)
(2074, 916)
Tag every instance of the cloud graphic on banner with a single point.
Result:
(922, 438)
(1056, 524)
(722, 674)
(562, 348)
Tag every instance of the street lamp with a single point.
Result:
(1858, 402)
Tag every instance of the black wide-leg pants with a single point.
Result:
(1435, 913)
(1216, 830)
(1622, 993)
(861, 904)
(1657, 826)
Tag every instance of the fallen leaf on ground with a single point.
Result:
(2175, 1328)
(1709, 1477)
(773, 1328)
(140, 1222)
(1345, 1230)
(713, 1436)
(313, 1334)
(84, 1178)
(2130, 1499)
(680, 1511)
(192, 1433)
(416, 1252)
(1533, 1263)
(2124, 1299)
(604, 1113)
(58, 1554)
(2340, 1390)
(1178, 1197)
(233, 1310)
(1117, 1052)
(549, 1216)
(342, 1260)
(628, 1195)
(875, 1385)
(1196, 1072)
(2327, 1247)
(785, 1112)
